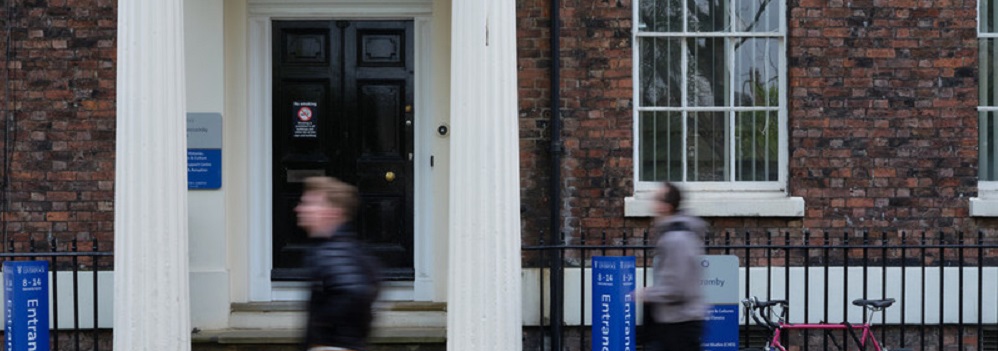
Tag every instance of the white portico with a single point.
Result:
(207, 250)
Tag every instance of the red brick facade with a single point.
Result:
(58, 140)
(883, 112)
(882, 120)
(882, 116)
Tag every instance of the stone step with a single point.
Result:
(291, 315)
(293, 336)
(277, 326)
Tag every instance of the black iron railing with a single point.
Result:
(66, 258)
(946, 282)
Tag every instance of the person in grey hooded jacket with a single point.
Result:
(676, 297)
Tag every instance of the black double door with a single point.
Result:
(342, 107)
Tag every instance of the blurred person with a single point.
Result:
(674, 305)
(344, 277)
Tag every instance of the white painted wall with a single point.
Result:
(203, 45)
(85, 300)
(236, 163)
(438, 194)
(762, 280)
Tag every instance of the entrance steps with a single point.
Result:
(278, 326)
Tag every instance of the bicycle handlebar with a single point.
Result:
(762, 310)
(757, 307)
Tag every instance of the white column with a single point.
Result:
(151, 298)
(483, 304)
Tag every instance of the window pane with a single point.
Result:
(989, 13)
(988, 154)
(757, 16)
(661, 146)
(708, 72)
(756, 148)
(660, 16)
(756, 72)
(660, 72)
(707, 146)
(708, 16)
(988, 60)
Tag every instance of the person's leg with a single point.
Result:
(656, 338)
(684, 336)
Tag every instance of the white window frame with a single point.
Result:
(986, 202)
(729, 198)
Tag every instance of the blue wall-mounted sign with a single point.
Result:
(26, 305)
(613, 317)
(204, 151)
(720, 287)
(204, 168)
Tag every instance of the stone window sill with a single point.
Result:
(725, 204)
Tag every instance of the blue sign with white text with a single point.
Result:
(721, 328)
(613, 305)
(26, 305)
(204, 168)
(720, 287)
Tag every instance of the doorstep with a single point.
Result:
(291, 315)
(396, 322)
(380, 336)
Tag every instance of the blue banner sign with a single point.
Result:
(720, 287)
(26, 305)
(613, 307)
(204, 168)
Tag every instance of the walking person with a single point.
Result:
(674, 304)
(344, 278)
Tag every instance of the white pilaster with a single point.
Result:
(151, 298)
(483, 308)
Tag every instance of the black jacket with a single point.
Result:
(345, 285)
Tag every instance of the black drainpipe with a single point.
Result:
(557, 285)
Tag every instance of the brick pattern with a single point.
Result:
(59, 89)
(882, 110)
(596, 114)
(534, 84)
(883, 98)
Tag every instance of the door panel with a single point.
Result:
(381, 103)
(343, 108)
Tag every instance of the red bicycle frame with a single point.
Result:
(865, 327)
(762, 312)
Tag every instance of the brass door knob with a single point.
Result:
(390, 176)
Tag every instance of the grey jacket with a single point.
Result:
(676, 294)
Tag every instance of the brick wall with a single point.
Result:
(596, 114)
(883, 98)
(882, 109)
(534, 63)
(59, 138)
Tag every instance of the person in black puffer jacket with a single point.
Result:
(345, 279)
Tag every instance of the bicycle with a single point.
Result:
(762, 313)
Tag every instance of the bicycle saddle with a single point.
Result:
(874, 303)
